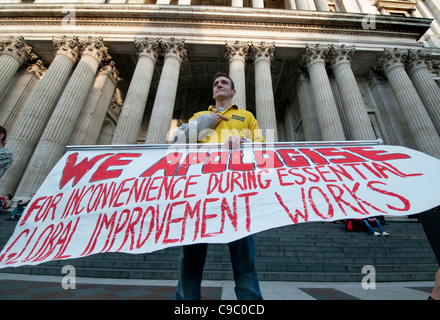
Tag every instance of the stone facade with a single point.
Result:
(130, 71)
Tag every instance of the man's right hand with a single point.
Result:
(216, 117)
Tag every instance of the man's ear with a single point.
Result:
(234, 92)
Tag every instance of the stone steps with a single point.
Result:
(304, 252)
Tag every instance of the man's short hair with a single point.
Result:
(3, 130)
(222, 74)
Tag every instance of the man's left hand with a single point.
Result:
(233, 142)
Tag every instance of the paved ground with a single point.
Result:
(27, 287)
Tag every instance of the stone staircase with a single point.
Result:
(304, 252)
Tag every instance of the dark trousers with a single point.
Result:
(192, 261)
(431, 224)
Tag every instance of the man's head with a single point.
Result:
(3, 134)
(223, 87)
(222, 74)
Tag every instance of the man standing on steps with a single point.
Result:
(222, 123)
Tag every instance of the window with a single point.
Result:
(396, 7)
(332, 5)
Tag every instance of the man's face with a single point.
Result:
(222, 89)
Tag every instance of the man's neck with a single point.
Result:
(223, 103)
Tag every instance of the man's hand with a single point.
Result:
(233, 142)
(217, 117)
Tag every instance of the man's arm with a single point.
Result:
(198, 128)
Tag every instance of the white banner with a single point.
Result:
(143, 198)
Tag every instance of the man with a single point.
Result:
(5, 154)
(233, 126)
(223, 122)
(431, 225)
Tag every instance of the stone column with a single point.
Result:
(303, 5)
(130, 121)
(349, 6)
(237, 3)
(264, 101)
(56, 135)
(236, 53)
(326, 110)
(322, 5)
(31, 122)
(424, 11)
(307, 108)
(290, 4)
(393, 125)
(289, 123)
(257, 4)
(14, 101)
(163, 106)
(367, 7)
(425, 85)
(433, 5)
(417, 119)
(92, 116)
(358, 120)
(13, 53)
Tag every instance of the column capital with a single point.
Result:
(262, 51)
(17, 48)
(314, 54)
(111, 71)
(301, 76)
(416, 60)
(147, 47)
(69, 47)
(374, 77)
(236, 50)
(391, 59)
(38, 69)
(340, 55)
(95, 48)
(174, 48)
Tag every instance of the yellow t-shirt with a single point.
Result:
(241, 122)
